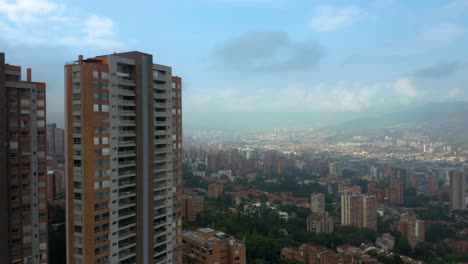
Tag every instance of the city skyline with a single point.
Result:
(301, 62)
(234, 131)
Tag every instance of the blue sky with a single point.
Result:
(257, 62)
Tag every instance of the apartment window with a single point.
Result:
(78, 229)
(25, 102)
(40, 113)
(101, 97)
(95, 74)
(76, 96)
(77, 185)
(101, 184)
(100, 130)
(40, 102)
(13, 145)
(101, 173)
(101, 195)
(77, 196)
(40, 123)
(104, 75)
(102, 162)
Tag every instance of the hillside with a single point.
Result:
(445, 121)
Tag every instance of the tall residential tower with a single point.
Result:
(457, 190)
(23, 205)
(120, 153)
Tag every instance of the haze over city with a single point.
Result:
(261, 63)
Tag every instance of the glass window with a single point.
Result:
(95, 74)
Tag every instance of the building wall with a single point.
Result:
(215, 190)
(23, 161)
(317, 202)
(359, 211)
(4, 241)
(206, 246)
(457, 190)
(177, 167)
(193, 204)
(119, 156)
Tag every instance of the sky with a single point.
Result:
(257, 63)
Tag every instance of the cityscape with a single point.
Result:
(125, 153)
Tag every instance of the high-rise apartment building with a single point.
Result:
(321, 222)
(193, 203)
(317, 202)
(177, 166)
(420, 183)
(119, 160)
(457, 190)
(359, 210)
(23, 205)
(55, 185)
(215, 190)
(51, 138)
(412, 229)
(55, 140)
(59, 144)
(369, 212)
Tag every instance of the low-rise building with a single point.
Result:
(385, 242)
(206, 245)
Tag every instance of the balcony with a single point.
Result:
(126, 183)
(127, 257)
(127, 142)
(127, 122)
(162, 132)
(126, 102)
(125, 81)
(126, 213)
(126, 113)
(123, 91)
(124, 164)
(126, 193)
(162, 105)
(127, 233)
(126, 153)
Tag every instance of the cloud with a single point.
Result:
(45, 22)
(439, 70)
(340, 96)
(267, 51)
(442, 34)
(328, 18)
(454, 8)
(404, 88)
